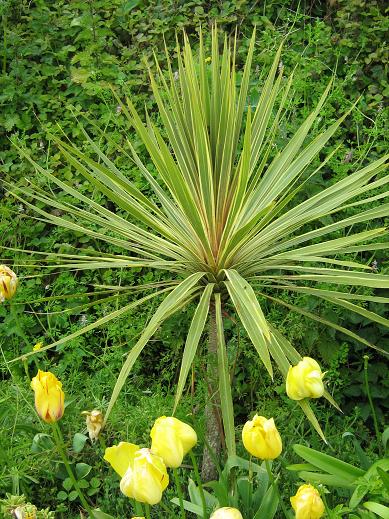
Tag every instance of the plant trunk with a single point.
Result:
(213, 424)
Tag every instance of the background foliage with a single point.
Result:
(58, 59)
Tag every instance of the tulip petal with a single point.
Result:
(121, 456)
(146, 478)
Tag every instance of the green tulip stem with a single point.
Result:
(102, 441)
(250, 481)
(179, 492)
(60, 446)
(367, 387)
(326, 507)
(274, 483)
(147, 508)
(199, 483)
(138, 507)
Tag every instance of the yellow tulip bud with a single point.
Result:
(226, 513)
(8, 283)
(94, 422)
(172, 440)
(137, 517)
(146, 479)
(261, 438)
(144, 475)
(305, 380)
(307, 503)
(49, 397)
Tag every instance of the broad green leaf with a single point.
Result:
(329, 463)
(378, 509)
(190, 507)
(98, 514)
(325, 479)
(269, 504)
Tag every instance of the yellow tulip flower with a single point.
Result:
(8, 283)
(172, 440)
(307, 503)
(261, 438)
(226, 513)
(49, 397)
(94, 422)
(144, 475)
(305, 380)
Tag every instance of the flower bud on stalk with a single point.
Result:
(305, 380)
(307, 503)
(144, 475)
(226, 513)
(8, 283)
(261, 438)
(172, 440)
(49, 397)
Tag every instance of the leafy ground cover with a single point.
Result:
(58, 61)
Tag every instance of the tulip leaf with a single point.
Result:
(329, 463)
(195, 497)
(296, 467)
(384, 477)
(220, 489)
(98, 514)
(190, 507)
(236, 461)
(325, 479)
(358, 494)
(244, 485)
(385, 438)
(378, 509)
(262, 483)
(269, 504)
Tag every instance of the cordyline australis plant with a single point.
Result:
(223, 220)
